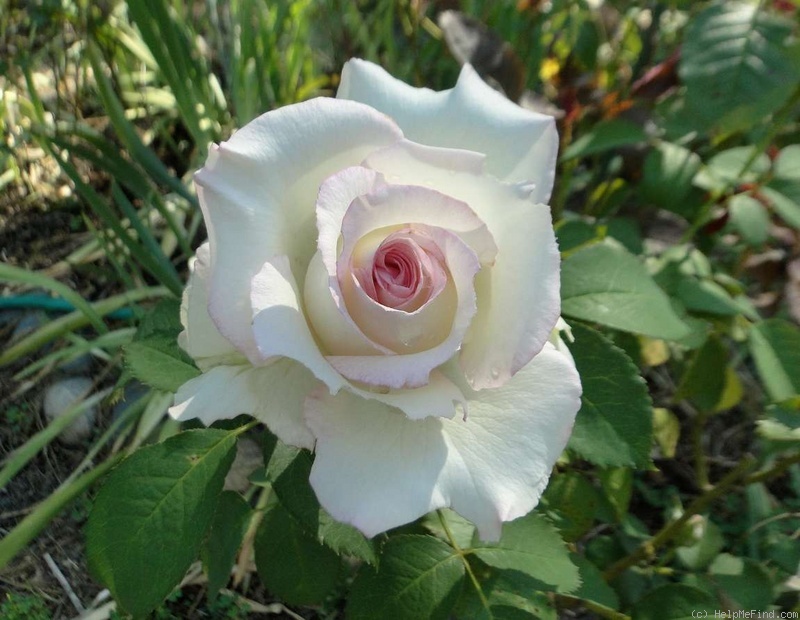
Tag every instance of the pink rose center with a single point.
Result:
(407, 271)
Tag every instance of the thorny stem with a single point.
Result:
(247, 543)
(246, 427)
(780, 466)
(648, 548)
(567, 601)
(737, 475)
(462, 554)
(700, 461)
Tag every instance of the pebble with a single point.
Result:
(78, 366)
(8, 317)
(29, 323)
(60, 397)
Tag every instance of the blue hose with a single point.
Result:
(51, 304)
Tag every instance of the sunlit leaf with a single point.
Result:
(614, 425)
(152, 513)
(605, 136)
(735, 64)
(605, 284)
(775, 345)
(532, 546)
(418, 577)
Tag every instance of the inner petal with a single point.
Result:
(406, 272)
(397, 286)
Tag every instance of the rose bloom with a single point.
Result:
(381, 286)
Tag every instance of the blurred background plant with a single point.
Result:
(679, 126)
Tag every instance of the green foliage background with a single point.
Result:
(677, 209)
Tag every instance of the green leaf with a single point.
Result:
(459, 528)
(707, 297)
(675, 602)
(785, 207)
(575, 499)
(605, 284)
(614, 424)
(775, 345)
(743, 580)
(741, 164)
(704, 380)
(224, 539)
(532, 546)
(593, 586)
(783, 550)
(617, 483)
(418, 577)
(572, 234)
(163, 319)
(151, 515)
(627, 231)
(783, 191)
(735, 65)
(667, 176)
(299, 499)
(154, 356)
(345, 539)
(277, 456)
(782, 422)
(708, 542)
(159, 362)
(604, 136)
(510, 595)
(293, 564)
(787, 164)
(750, 219)
(667, 431)
(686, 275)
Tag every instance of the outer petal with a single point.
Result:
(281, 329)
(376, 469)
(200, 338)
(435, 399)
(351, 205)
(258, 190)
(519, 298)
(273, 394)
(520, 145)
(279, 325)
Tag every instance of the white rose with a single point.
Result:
(380, 283)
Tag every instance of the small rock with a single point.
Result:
(29, 323)
(8, 317)
(60, 397)
(77, 366)
(248, 459)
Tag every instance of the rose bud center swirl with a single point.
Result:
(398, 288)
(407, 271)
